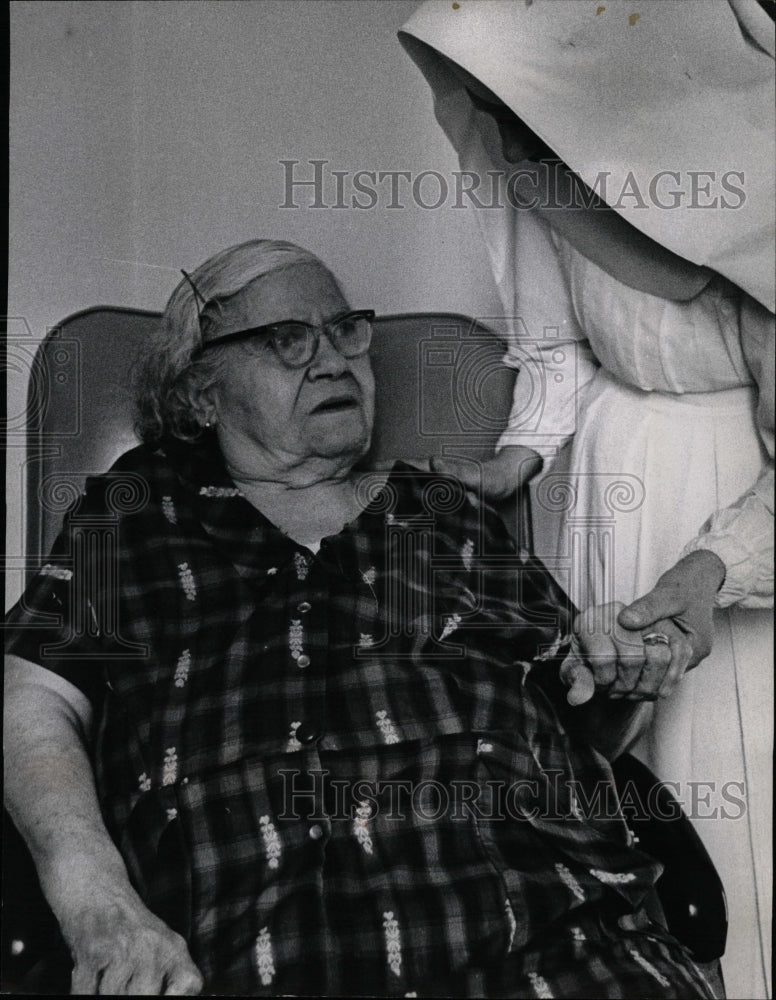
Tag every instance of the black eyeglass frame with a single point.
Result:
(271, 329)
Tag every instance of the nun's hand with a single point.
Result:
(621, 663)
(497, 477)
(684, 596)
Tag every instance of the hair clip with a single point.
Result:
(198, 297)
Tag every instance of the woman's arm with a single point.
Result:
(742, 534)
(118, 945)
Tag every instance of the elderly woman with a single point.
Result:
(643, 292)
(284, 732)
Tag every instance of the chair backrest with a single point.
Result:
(441, 389)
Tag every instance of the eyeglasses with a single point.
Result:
(296, 343)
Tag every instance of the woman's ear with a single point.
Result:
(203, 403)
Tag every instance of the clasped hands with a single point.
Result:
(638, 652)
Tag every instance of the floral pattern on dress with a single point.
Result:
(540, 986)
(360, 827)
(168, 509)
(467, 551)
(265, 959)
(272, 845)
(182, 668)
(386, 727)
(293, 742)
(170, 766)
(392, 942)
(296, 638)
(187, 581)
(301, 566)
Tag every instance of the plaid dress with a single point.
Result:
(340, 773)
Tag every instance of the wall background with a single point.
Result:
(146, 136)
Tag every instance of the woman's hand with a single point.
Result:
(681, 605)
(121, 948)
(499, 477)
(641, 652)
(619, 662)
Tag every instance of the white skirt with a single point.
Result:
(644, 472)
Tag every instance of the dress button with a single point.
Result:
(308, 733)
(303, 661)
(315, 832)
(304, 607)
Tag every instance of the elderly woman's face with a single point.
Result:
(324, 409)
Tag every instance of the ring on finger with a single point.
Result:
(655, 639)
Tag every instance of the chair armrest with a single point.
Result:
(690, 890)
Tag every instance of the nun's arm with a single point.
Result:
(603, 236)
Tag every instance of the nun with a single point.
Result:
(619, 159)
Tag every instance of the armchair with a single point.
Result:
(441, 388)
